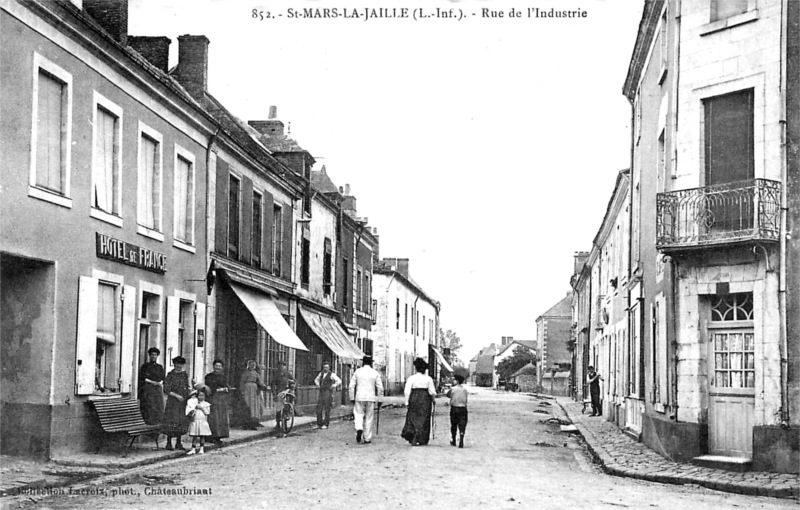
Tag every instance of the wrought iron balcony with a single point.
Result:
(721, 214)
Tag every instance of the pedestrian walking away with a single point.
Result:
(220, 402)
(594, 391)
(458, 411)
(366, 388)
(419, 392)
(151, 389)
(327, 381)
(198, 410)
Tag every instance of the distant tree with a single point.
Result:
(518, 359)
(451, 341)
(461, 370)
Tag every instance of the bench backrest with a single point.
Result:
(119, 414)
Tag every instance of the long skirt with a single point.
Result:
(175, 421)
(219, 422)
(199, 425)
(253, 400)
(152, 404)
(417, 428)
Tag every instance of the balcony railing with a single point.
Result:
(719, 214)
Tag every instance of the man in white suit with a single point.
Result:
(365, 389)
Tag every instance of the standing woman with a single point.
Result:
(420, 392)
(151, 389)
(219, 399)
(176, 386)
(249, 386)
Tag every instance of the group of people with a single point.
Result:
(366, 389)
(201, 411)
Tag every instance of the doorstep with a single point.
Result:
(737, 464)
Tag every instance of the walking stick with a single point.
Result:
(433, 419)
(378, 420)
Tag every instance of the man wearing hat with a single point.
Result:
(365, 389)
(151, 389)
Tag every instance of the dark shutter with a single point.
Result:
(247, 220)
(266, 250)
(729, 137)
(288, 237)
(221, 208)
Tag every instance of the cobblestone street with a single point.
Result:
(515, 456)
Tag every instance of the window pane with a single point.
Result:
(50, 126)
(149, 183)
(722, 9)
(750, 379)
(105, 313)
(184, 201)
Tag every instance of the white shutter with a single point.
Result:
(199, 332)
(173, 316)
(86, 346)
(128, 336)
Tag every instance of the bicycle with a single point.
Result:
(286, 421)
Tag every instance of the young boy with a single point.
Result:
(458, 411)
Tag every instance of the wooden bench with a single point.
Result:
(120, 415)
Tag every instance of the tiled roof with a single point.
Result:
(530, 368)
(322, 182)
(561, 309)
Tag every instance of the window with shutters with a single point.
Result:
(184, 199)
(149, 212)
(277, 238)
(255, 252)
(398, 314)
(106, 335)
(106, 161)
(51, 133)
(234, 190)
(346, 277)
(327, 268)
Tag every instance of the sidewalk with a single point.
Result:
(621, 455)
(18, 474)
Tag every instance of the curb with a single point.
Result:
(612, 467)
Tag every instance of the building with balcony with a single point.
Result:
(708, 87)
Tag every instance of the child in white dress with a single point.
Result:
(198, 410)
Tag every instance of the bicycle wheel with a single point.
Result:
(287, 418)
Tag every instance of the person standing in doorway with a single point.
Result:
(327, 381)
(151, 389)
(365, 389)
(594, 391)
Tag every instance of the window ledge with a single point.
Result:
(183, 246)
(739, 19)
(152, 234)
(49, 196)
(101, 215)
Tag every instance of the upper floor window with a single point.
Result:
(398, 314)
(277, 238)
(721, 9)
(729, 151)
(51, 132)
(184, 196)
(327, 268)
(255, 259)
(150, 178)
(233, 216)
(346, 277)
(359, 296)
(107, 157)
(305, 259)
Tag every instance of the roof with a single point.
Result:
(280, 143)
(558, 375)
(322, 182)
(383, 269)
(485, 364)
(647, 26)
(529, 344)
(561, 309)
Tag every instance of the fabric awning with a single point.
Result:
(330, 332)
(267, 315)
(442, 361)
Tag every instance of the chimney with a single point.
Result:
(580, 258)
(192, 70)
(346, 190)
(154, 49)
(270, 127)
(399, 265)
(112, 15)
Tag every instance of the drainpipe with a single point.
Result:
(783, 345)
(673, 383)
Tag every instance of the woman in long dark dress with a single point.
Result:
(219, 421)
(249, 385)
(176, 386)
(151, 389)
(420, 392)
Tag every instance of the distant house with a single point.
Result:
(484, 372)
(524, 379)
(553, 334)
(507, 351)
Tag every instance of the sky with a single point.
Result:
(482, 148)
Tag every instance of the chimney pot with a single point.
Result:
(347, 189)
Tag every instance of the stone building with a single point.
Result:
(553, 329)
